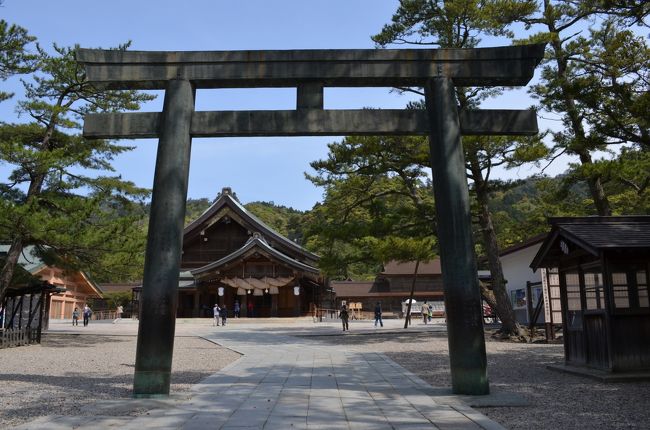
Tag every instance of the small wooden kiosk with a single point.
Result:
(604, 269)
(25, 312)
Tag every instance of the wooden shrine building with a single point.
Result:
(392, 286)
(604, 268)
(230, 256)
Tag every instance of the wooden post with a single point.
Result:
(41, 306)
(20, 313)
(529, 308)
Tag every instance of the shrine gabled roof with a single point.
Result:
(255, 243)
(28, 259)
(595, 234)
(226, 199)
(32, 263)
(394, 267)
(350, 289)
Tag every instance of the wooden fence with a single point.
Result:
(107, 315)
(18, 337)
(324, 314)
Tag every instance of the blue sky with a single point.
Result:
(268, 169)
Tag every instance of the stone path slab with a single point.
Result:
(287, 382)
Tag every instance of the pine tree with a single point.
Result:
(461, 24)
(567, 69)
(43, 202)
(15, 59)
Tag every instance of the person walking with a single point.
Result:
(425, 312)
(119, 312)
(87, 312)
(215, 314)
(75, 317)
(237, 309)
(224, 315)
(407, 315)
(378, 314)
(345, 316)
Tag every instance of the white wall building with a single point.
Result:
(515, 261)
(544, 284)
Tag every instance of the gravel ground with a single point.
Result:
(558, 400)
(69, 372)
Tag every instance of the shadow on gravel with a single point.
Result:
(99, 386)
(80, 340)
(72, 393)
(351, 338)
(557, 400)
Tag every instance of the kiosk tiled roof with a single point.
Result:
(595, 234)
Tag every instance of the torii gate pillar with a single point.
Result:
(310, 71)
(468, 361)
(153, 363)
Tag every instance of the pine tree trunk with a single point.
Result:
(407, 317)
(17, 244)
(487, 295)
(596, 188)
(9, 267)
(501, 305)
(601, 202)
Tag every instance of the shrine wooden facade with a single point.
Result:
(76, 287)
(604, 269)
(231, 256)
(392, 286)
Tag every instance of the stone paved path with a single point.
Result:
(289, 382)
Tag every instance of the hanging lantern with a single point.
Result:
(296, 291)
(220, 291)
(266, 290)
(250, 291)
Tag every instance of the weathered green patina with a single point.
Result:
(310, 71)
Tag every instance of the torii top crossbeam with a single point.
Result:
(511, 65)
(437, 71)
(310, 71)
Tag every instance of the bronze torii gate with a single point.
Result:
(438, 71)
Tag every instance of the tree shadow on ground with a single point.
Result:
(72, 391)
(351, 338)
(81, 340)
(557, 400)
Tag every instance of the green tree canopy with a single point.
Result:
(59, 196)
(590, 83)
(375, 191)
(462, 24)
(15, 58)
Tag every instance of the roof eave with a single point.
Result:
(226, 199)
(257, 242)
